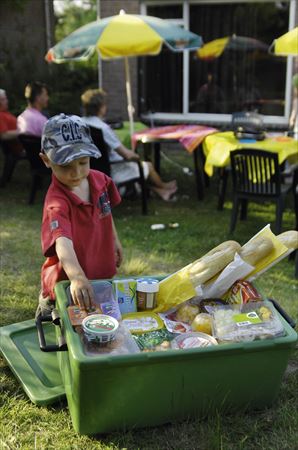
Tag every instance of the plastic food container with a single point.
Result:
(100, 328)
(146, 293)
(193, 340)
(248, 322)
(159, 340)
(122, 344)
(142, 322)
(104, 297)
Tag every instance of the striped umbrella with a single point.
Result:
(286, 45)
(123, 36)
(215, 48)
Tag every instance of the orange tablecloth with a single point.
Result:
(190, 136)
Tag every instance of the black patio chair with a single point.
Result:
(295, 192)
(256, 176)
(39, 172)
(11, 158)
(104, 165)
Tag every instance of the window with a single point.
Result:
(237, 80)
(160, 77)
(244, 79)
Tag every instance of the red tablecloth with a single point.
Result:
(190, 136)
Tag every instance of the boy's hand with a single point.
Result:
(82, 293)
(80, 287)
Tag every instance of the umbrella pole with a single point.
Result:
(99, 70)
(130, 107)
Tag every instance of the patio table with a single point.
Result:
(217, 148)
(124, 133)
(189, 136)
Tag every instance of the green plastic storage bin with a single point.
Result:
(107, 393)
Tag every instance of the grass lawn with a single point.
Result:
(26, 426)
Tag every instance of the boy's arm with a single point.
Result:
(118, 246)
(80, 287)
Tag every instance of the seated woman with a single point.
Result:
(8, 127)
(95, 107)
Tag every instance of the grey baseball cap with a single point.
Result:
(66, 138)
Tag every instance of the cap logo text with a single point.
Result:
(71, 132)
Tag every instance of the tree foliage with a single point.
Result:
(70, 79)
(74, 16)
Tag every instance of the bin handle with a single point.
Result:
(55, 319)
(283, 313)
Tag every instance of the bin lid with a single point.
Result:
(37, 371)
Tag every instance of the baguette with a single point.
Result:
(289, 239)
(254, 251)
(213, 262)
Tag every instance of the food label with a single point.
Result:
(194, 342)
(125, 293)
(141, 324)
(76, 314)
(250, 318)
(243, 292)
(141, 297)
(111, 309)
(100, 325)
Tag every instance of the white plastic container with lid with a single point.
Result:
(146, 293)
(100, 327)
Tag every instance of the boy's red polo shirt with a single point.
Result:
(87, 224)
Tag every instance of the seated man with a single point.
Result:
(8, 125)
(32, 120)
(94, 105)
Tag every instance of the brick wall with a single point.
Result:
(113, 71)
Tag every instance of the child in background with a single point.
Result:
(78, 235)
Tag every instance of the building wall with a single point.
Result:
(113, 72)
(23, 45)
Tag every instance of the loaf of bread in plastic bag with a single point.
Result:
(256, 250)
(213, 262)
(289, 239)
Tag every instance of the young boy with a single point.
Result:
(78, 235)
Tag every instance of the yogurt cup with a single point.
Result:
(100, 327)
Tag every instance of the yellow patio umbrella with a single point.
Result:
(286, 45)
(213, 49)
(122, 36)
